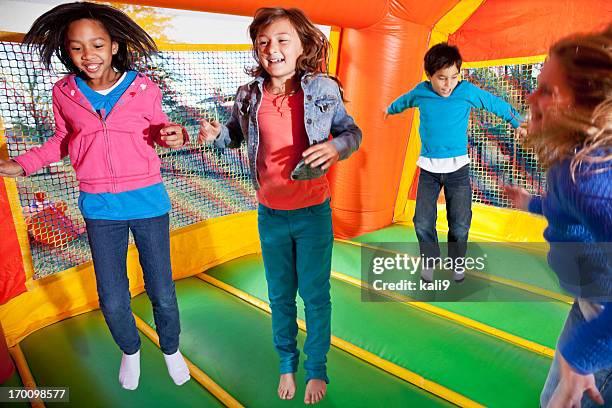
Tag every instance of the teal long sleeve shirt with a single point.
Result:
(444, 120)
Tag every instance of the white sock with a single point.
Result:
(427, 274)
(177, 368)
(458, 276)
(129, 372)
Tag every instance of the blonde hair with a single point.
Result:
(580, 131)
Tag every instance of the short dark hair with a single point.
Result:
(48, 34)
(442, 56)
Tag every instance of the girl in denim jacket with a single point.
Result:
(285, 116)
(108, 118)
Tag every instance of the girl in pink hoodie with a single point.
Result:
(108, 118)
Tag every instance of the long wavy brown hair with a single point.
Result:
(314, 59)
(582, 132)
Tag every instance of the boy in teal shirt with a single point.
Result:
(445, 104)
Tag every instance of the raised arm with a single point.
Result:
(161, 130)
(346, 134)
(482, 99)
(54, 149)
(230, 134)
(406, 101)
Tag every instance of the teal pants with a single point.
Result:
(297, 248)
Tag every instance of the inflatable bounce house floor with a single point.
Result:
(469, 352)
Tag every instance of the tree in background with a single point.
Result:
(152, 19)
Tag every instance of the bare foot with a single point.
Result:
(286, 386)
(315, 391)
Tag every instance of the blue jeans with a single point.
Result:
(603, 378)
(109, 243)
(458, 194)
(296, 247)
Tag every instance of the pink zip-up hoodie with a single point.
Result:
(112, 155)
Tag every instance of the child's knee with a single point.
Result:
(423, 224)
(459, 230)
(165, 300)
(283, 304)
(114, 305)
(314, 302)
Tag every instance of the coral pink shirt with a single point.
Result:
(282, 139)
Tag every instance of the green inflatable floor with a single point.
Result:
(227, 338)
(231, 341)
(527, 265)
(476, 365)
(79, 353)
(537, 319)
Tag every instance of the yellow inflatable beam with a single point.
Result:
(24, 372)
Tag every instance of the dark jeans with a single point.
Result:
(458, 194)
(109, 243)
(297, 249)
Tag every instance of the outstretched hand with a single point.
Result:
(321, 155)
(518, 196)
(521, 132)
(172, 135)
(208, 130)
(9, 168)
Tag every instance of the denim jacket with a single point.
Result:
(324, 113)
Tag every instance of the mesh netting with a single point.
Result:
(202, 181)
(498, 157)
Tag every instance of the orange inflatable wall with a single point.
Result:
(377, 64)
(523, 28)
(381, 50)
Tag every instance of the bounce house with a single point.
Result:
(493, 346)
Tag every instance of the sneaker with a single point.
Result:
(458, 276)
(427, 275)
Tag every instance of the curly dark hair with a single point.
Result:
(47, 35)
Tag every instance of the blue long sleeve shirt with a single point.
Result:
(579, 230)
(444, 120)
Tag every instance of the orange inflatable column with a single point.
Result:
(378, 64)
